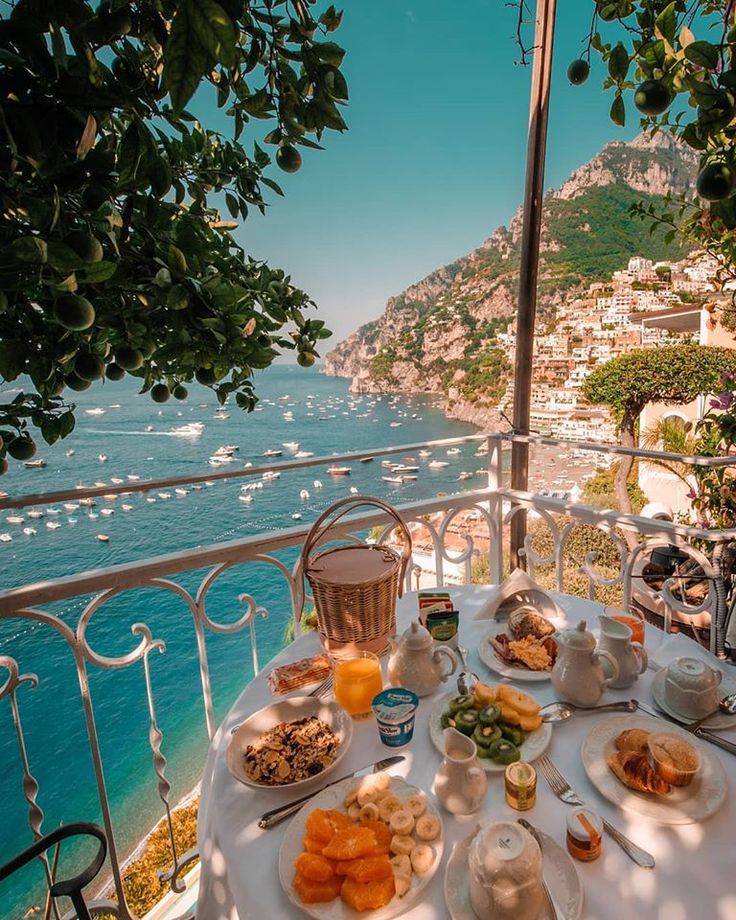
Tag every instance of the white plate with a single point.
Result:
(559, 874)
(719, 720)
(292, 846)
(684, 804)
(288, 710)
(535, 744)
(490, 659)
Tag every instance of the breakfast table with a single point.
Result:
(695, 868)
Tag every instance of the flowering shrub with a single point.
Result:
(714, 492)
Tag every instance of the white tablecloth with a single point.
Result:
(695, 876)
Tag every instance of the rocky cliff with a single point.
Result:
(439, 335)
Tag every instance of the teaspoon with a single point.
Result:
(562, 710)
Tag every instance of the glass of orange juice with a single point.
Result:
(356, 681)
(632, 620)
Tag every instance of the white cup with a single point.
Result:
(505, 865)
(691, 687)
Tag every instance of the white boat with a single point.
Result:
(182, 491)
(291, 445)
(15, 519)
(272, 453)
(5, 538)
(464, 475)
(451, 451)
(164, 495)
(133, 478)
(29, 531)
(353, 490)
(97, 411)
(339, 470)
(317, 484)
(148, 428)
(437, 464)
(270, 475)
(150, 499)
(53, 525)
(103, 538)
(70, 452)
(191, 430)
(93, 515)
(220, 460)
(35, 514)
(425, 453)
(231, 448)
(395, 480)
(303, 454)
(115, 406)
(71, 506)
(394, 424)
(304, 494)
(107, 511)
(221, 415)
(87, 502)
(71, 520)
(102, 457)
(246, 497)
(400, 468)
(387, 463)
(116, 480)
(35, 464)
(296, 516)
(127, 507)
(53, 511)
(366, 459)
(410, 477)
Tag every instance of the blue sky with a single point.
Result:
(433, 159)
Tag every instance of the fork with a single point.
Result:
(324, 688)
(562, 789)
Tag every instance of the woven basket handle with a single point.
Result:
(329, 518)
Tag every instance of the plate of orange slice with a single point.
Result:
(362, 847)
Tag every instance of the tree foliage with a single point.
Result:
(669, 374)
(114, 255)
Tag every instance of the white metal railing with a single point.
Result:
(494, 506)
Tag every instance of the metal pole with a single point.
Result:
(529, 267)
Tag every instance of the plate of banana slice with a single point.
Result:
(368, 846)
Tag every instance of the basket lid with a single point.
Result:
(353, 565)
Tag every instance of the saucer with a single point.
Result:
(719, 720)
(559, 874)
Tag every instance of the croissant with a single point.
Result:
(633, 739)
(633, 770)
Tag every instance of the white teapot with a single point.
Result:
(578, 674)
(415, 664)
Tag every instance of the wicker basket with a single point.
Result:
(355, 587)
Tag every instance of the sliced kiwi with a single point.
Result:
(502, 751)
(485, 735)
(447, 720)
(512, 733)
(466, 721)
(489, 714)
(460, 703)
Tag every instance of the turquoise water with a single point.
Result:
(326, 419)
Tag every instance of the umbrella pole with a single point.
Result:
(529, 267)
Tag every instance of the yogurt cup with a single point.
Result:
(394, 710)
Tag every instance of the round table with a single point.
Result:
(694, 876)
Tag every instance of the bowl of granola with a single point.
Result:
(290, 743)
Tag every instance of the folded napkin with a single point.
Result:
(676, 645)
(517, 589)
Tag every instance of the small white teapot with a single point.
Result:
(415, 664)
(578, 675)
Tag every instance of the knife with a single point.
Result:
(547, 896)
(695, 729)
(273, 817)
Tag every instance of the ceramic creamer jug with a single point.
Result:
(461, 782)
(630, 656)
(416, 664)
(578, 674)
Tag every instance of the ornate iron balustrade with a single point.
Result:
(493, 507)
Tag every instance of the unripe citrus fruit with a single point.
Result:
(75, 382)
(578, 72)
(22, 448)
(652, 97)
(715, 181)
(130, 359)
(113, 371)
(288, 158)
(180, 392)
(205, 375)
(89, 367)
(160, 392)
(75, 312)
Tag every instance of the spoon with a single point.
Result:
(562, 710)
(727, 705)
(465, 679)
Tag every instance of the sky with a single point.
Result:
(433, 160)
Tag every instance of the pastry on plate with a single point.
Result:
(632, 768)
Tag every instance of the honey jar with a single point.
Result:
(584, 833)
(521, 785)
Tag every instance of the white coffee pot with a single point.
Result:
(578, 674)
(630, 656)
(416, 664)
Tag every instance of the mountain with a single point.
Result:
(439, 334)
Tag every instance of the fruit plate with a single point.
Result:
(684, 804)
(288, 710)
(292, 846)
(535, 743)
(720, 720)
(559, 874)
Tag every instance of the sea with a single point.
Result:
(121, 434)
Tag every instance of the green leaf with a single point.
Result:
(66, 424)
(185, 60)
(703, 54)
(329, 52)
(618, 63)
(666, 22)
(12, 360)
(63, 258)
(618, 111)
(232, 204)
(214, 30)
(98, 272)
(50, 429)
